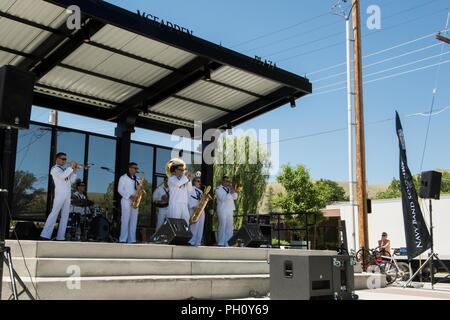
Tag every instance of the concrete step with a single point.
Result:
(63, 267)
(365, 281)
(146, 287)
(53, 249)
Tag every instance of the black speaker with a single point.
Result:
(173, 231)
(311, 277)
(430, 185)
(27, 231)
(249, 235)
(16, 97)
(369, 205)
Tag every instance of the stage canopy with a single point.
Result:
(121, 63)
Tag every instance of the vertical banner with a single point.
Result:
(418, 238)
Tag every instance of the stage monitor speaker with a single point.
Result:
(249, 235)
(430, 185)
(27, 231)
(311, 277)
(173, 231)
(16, 97)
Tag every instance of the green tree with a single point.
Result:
(302, 195)
(245, 162)
(27, 199)
(270, 197)
(394, 191)
(330, 191)
(445, 187)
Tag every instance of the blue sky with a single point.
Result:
(318, 44)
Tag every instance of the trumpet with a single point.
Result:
(82, 166)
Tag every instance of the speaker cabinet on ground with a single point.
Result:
(430, 185)
(16, 97)
(311, 277)
(173, 231)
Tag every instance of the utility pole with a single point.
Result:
(360, 143)
(442, 38)
(342, 10)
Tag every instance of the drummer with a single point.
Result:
(80, 202)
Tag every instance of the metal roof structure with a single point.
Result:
(120, 62)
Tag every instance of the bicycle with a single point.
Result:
(382, 260)
(403, 267)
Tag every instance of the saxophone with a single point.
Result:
(201, 205)
(139, 194)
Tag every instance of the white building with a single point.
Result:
(387, 215)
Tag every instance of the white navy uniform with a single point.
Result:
(225, 208)
(63, 180)
(127, 188)
(81, 210)
(179, 189)
(196, 228)
(162, 212)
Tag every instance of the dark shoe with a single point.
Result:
(44, 239)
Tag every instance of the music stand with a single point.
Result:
(432, 256)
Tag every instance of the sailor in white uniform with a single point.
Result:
(179, 188)
(225, 208)
(128, 185)
(161, 200)
(196, 228)
(63, 180)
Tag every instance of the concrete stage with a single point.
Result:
(92, 270)
(89, 270)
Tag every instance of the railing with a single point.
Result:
(275, 219)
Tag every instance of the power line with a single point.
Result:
(295, 36)
(386, 77)
(428, 114)
(436, 82)
(339, 33)
(381, 62)
(390, 69)
(345, 129)
(280, 30)
(364, 36)
(333, 35)
(273, 43)
(376, 53)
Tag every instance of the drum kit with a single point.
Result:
(91, 224)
